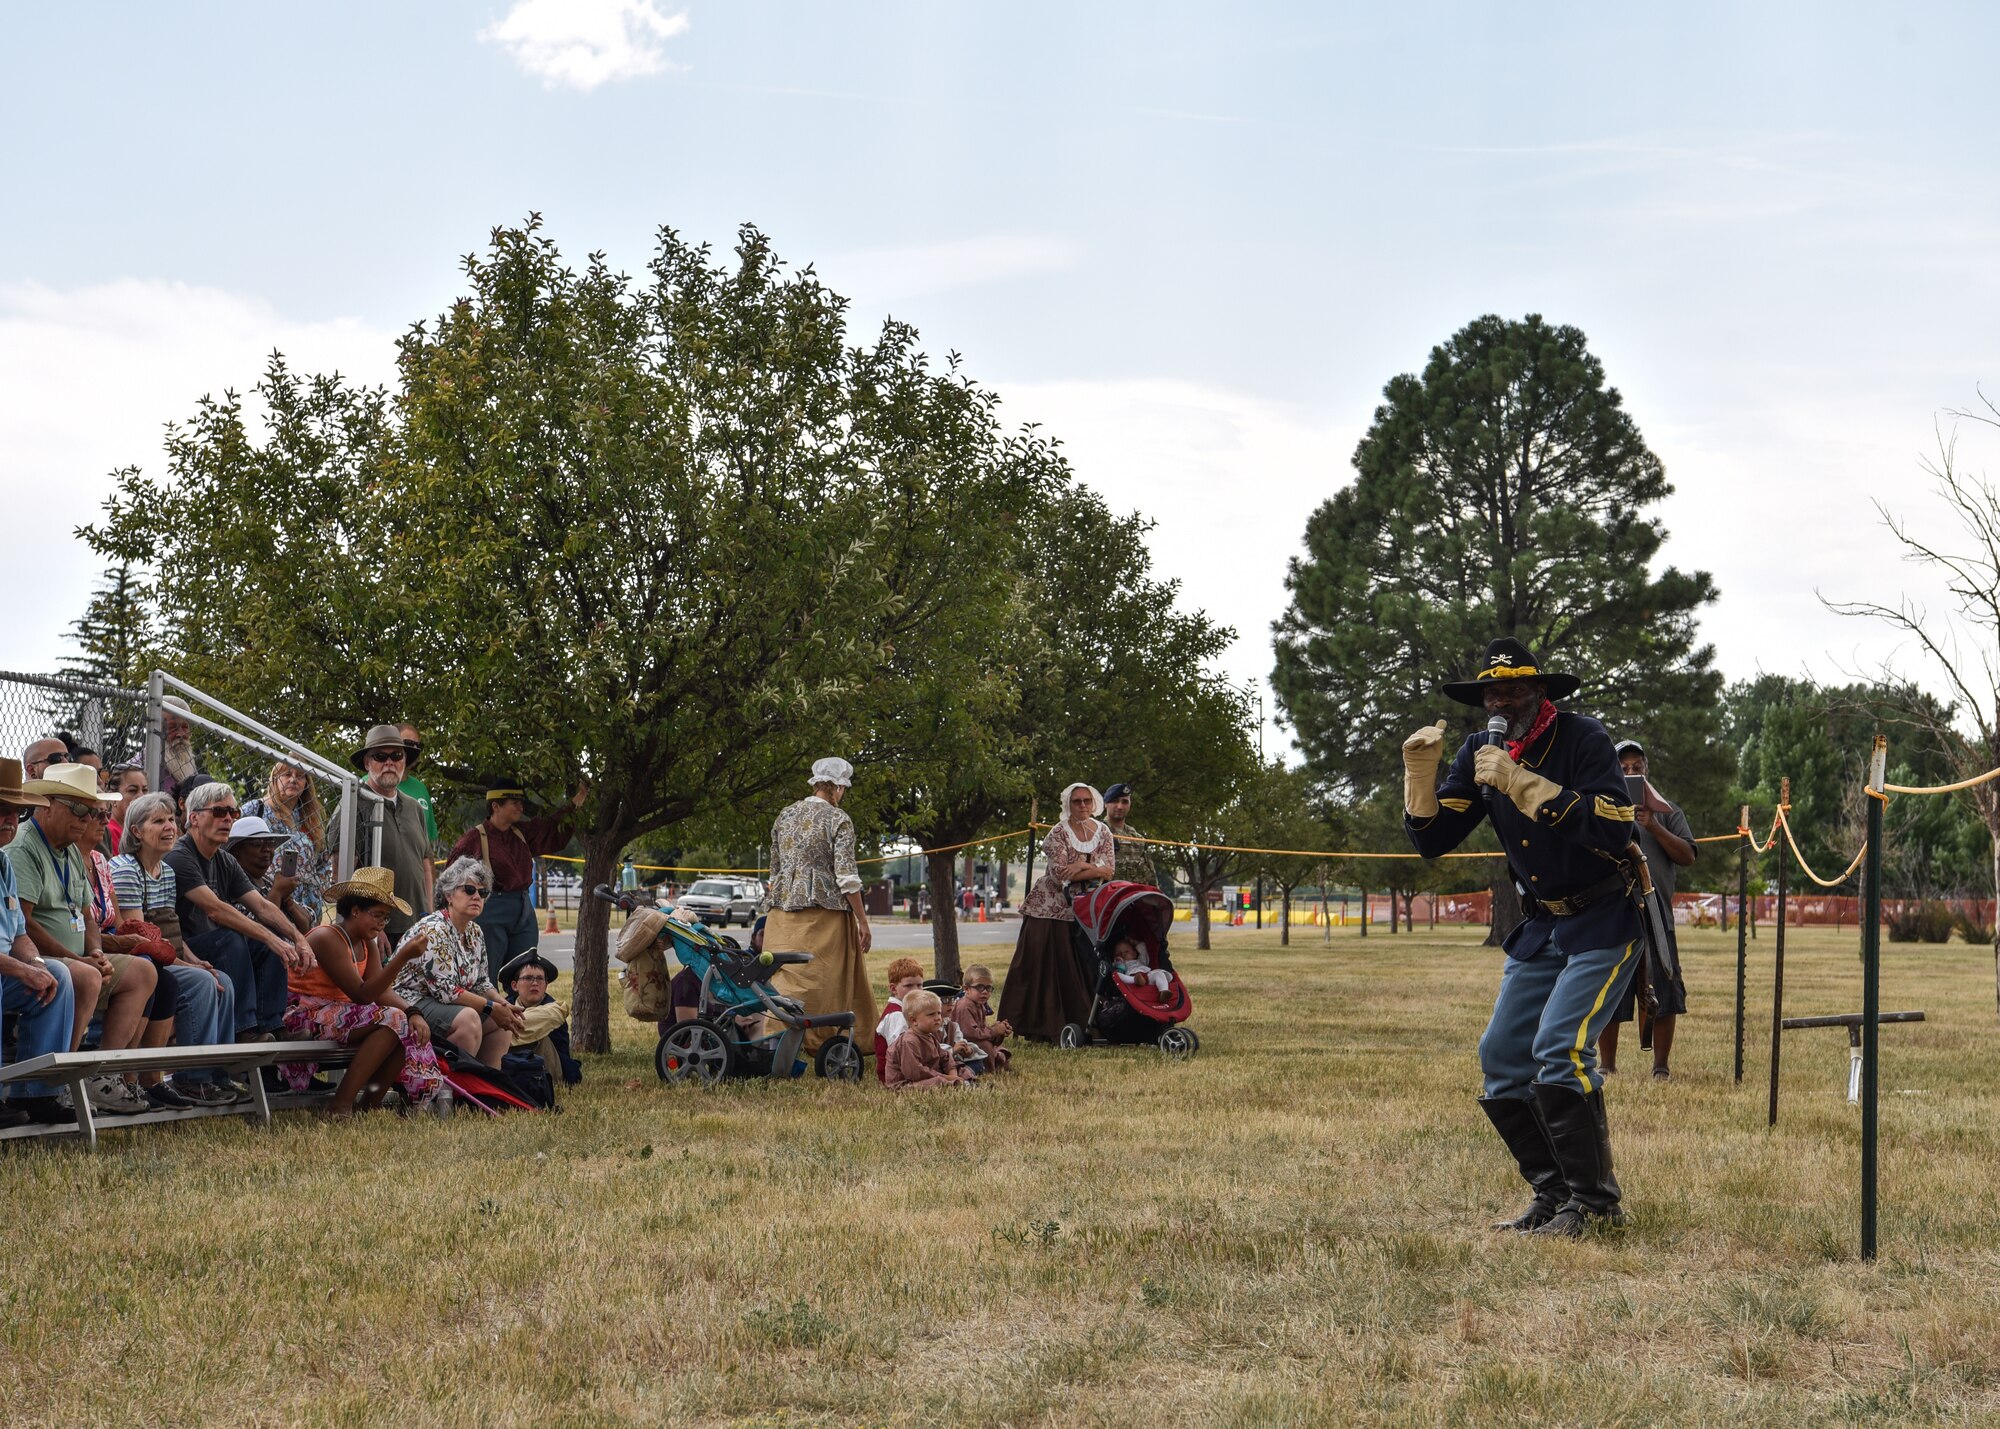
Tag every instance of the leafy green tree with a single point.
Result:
(1819, 738)
(1502, 491)
(1062, 655)
(649, 533)
(1285, 812)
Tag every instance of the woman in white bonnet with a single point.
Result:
(1045, 987)
(814, 903)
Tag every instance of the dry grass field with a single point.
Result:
(1286, 1231)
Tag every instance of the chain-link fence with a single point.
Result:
(172, 727)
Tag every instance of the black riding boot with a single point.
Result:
(1519, 1123)
(1582, 1141)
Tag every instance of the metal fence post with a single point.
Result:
(156, 749)
(350, 819)
(1742, 932)
(1778, 959)
(1871, 988)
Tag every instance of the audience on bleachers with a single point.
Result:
(174, 915)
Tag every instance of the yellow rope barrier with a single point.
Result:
(1987, 778)
(882, 858)
(1285, 852)
(1786, 825)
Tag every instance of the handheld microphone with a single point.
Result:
(1496, 735)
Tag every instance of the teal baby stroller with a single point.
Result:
(727, 1040)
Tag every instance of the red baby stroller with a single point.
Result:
(1122, 1012)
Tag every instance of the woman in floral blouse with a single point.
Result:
(1045, 986)
(449, 987)
(814, 898)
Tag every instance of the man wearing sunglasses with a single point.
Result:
(383, 760)
(227, 922)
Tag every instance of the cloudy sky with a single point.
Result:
(1193, 240)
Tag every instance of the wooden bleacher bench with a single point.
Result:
(71, 1068)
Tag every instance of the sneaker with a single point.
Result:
(113, 1096)
(165, 1098)
(205, 1093)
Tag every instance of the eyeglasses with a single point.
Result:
(472, 890)
(387, 756)
(84, 811)
(979, 987)
(223, 811)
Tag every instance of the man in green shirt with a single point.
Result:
(415, 789)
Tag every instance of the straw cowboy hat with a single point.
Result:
(377, 885)
(11, 791)
(381, 736)
(69, 781)
(1508, 659)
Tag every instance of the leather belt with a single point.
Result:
(1576, 902)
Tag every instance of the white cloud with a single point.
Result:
(876, 275)
(88, 378)
(585, 43)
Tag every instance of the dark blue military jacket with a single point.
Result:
(1568, 845)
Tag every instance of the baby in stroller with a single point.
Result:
(1130, 965)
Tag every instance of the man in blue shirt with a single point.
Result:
(35, 987)
(1553, 788)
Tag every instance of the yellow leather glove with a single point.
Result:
(1528, 791)
(1421, 753)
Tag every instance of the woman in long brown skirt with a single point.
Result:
(1045, 985)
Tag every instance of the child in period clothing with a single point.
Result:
(962, 1053)
(906, 975)
(974, 1025)
(918, 1058)
(1128, 962)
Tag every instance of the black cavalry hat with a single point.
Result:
(1508, 659)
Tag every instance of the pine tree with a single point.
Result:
(1500, 493)
(111, 646)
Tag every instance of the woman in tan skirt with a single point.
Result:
(814, 898)
(1045, 986)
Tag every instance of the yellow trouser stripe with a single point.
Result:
(1583, 1028)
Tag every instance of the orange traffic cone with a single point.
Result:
(552, 928)
(982, 910)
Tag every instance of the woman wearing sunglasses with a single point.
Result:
(449, 986)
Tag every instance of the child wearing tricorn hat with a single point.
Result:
(1550, 783)
(545, 1030)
